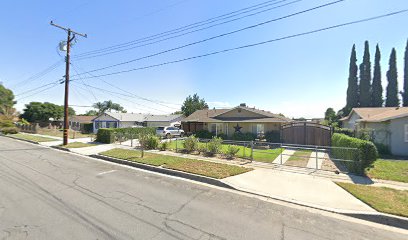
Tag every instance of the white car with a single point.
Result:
(169, 132)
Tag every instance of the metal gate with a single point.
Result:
(306, 133)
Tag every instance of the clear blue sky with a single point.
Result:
(297, 77)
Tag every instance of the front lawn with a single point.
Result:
(394, 170)
(59, 133)
(261, 155)
(33, 138)
(77, 145)
(382, 199)
(299, 158)
(209, 169)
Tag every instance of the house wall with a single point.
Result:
(399, 140)
(158, 124)
(238, 113)
(351, 122)
(381, 131)
(228, 128)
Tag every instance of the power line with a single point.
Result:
(251, 45)
(90, 90)
(31, 90)
(185, 28)
(217, 36)
(43, 90)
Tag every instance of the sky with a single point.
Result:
(299, 77)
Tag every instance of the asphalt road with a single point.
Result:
(48, 194)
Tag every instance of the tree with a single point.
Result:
(6, 101)
(192, 104)
(365, 78)
(405, 92)
(392, 99)
(90, 113)
(108, 106)
(42, 112)
(352, 89)
(376, 97)
(330, 115)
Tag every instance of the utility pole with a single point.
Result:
(69, 40)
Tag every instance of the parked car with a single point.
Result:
(169, 132)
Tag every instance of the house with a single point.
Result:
(124, 120)
(76, 122)
(389, 126)
(229, 121)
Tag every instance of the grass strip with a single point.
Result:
(393, 170)
(33, 138)
(77, 145)
(299, 158)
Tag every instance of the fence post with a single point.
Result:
(176, 145)
(252, 151)
(281, 154)
(245, 146)
(317, 160)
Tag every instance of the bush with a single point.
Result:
(231, 151)
(201, 148)
(191, 143)
(273, 136)
(243, 136)
(365, 154)
(383, 149)
(87, 127)
(347, 131)
(164, 146)
(222, 136)
(214, 146)
(9, 130)
(149, 141)
(365, 134)
(204, 134)
(107, 135)
(6, 124)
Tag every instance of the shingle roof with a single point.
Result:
(81, 119)
(141, 117)
(379, 114)
(210, 115)
(162, 118)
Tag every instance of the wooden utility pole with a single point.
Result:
(69, 40)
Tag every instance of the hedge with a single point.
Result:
(346, 131)
(107, 135)
(365, 154)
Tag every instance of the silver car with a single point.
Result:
(169, 132)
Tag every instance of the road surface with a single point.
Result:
(49, 194)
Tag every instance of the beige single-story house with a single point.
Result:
(124, 120)
(238, 119)
(389, 126)
(76, 122)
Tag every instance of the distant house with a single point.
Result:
(238, 119)
(389, 126)
(123, 120)
(76, 122)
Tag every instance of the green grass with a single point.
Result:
(299, 158)
(394, 170)
(204, 168)
(33, 137)
(382, 199)
(77, 145)
(59, 133)
(261, 155)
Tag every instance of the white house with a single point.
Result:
(124, 120)
(389, 125)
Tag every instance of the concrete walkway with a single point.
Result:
(285, 156)
(312, 160)
(299, 188)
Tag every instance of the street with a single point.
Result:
(50, 194)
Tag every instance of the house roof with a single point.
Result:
(215, 115)
(141, 117)
(379, 114)
(82, 119)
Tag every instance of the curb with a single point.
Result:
(19, 139)
(171, 172)
(61, 148)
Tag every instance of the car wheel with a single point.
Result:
(168, 136)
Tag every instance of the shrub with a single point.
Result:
(107, 135)
(9, 130)
(365, 154)
(222, 136)
(164, 146)
(191, 143)
(346, 131)
(204, 134)
(383, 149)
(231, 151)
(149, 141)
(214, 146)
(273, 136)
(87, 127)
(201, 148)
(6, 123)
(243, 136)
(365, 134)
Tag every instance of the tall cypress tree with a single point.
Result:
(352, 89)
(392, 77)
(405, 92)
(365, 78)
(376, 97)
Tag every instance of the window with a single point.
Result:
(216, 128)
(257, 128)
(406, 132)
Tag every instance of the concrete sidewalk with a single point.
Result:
(302, 189)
